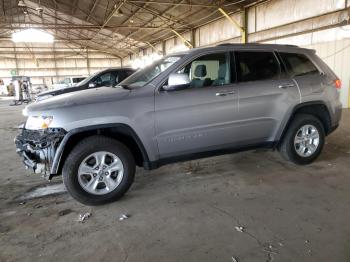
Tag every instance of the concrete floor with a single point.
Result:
(187, 211)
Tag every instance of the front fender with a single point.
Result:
(61, 150)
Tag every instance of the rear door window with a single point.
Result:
(256, 65)
(298, 64)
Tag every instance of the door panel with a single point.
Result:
(263, 106)
(200, 117)
(265, 95)
(195, 120)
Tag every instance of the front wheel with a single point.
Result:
(304, 140)
(98, 170)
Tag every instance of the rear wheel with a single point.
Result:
(304, 140)
(98, 170)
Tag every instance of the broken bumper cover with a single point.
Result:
(38, 147)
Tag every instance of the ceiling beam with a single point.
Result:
(172, 3)
(75, 26)
(116, 9)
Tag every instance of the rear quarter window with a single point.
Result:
(298, 64)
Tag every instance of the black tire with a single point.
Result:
(287, 148)
(82, 150)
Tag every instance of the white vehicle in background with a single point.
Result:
(68, 82)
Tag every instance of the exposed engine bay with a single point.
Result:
(38, 148)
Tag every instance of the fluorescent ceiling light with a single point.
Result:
(32, 36)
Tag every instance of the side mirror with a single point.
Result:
(92, 85)
(177, 82)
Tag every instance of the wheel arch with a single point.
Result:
(122, 132)
(316, 108)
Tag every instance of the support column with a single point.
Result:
(16, 59)
(236, 24)
(193, 37)
(55, 61)
(163, 48)
(88, 61)
(182, 38)
(245, 25)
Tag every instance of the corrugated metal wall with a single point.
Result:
(48, 66)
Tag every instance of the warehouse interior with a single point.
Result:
(249, 206)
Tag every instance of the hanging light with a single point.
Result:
(119, 13)
(21, 3)
(32, 36)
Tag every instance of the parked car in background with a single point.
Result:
(188, 105)
(68, 82)
(106, 77)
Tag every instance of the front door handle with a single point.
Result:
(225, 93)
(285, 85)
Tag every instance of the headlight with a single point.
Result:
(38, 122)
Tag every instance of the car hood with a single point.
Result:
(58, 91)
(83, 97)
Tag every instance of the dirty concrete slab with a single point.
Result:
(187, 211)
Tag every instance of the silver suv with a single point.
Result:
(188, 105)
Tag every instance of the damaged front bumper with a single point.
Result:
(38, 148)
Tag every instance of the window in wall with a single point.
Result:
(256, 65)
(298, 64)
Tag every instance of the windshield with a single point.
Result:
(143, 76)
(88, 79)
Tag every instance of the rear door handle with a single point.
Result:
(225, 93)
(285, 85)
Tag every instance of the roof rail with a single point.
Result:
(232, 44)
(228, 44)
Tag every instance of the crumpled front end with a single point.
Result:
(38, 147)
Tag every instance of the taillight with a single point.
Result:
(337, 83)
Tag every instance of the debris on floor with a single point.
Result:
(269, 249)
(192, 167)
(123, 217)
(83, 217)
(239, 229)
(234, 259)
(64, 212)
(37, 206)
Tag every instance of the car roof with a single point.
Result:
(118, 68)
(247, 46)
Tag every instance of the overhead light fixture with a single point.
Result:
(21, 3)
(40, 10)
(32, 36)
(118, 14)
